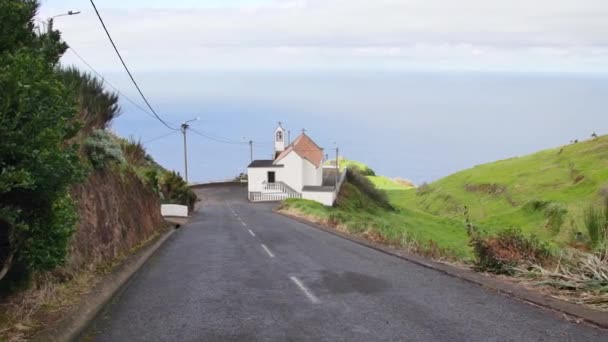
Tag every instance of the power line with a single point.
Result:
(128, 71)
(161, 137)
(218, 139)
(110, 84)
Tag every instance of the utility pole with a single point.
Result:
(185, 127)
(337, 165)
(251, 150)
(288, 137)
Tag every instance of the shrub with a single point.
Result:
(367, 171)
(556, 216)
(176, 191)
(596, 223)
(103, 149)
(368, 188)
(536, 204)
(151, 178)
(486, 188)
(508, 249)
(133, 151)
(424, 189)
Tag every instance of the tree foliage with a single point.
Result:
(37, 164)
(97, 106)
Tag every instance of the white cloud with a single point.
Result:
(468, 34)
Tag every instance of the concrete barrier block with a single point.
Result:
(174, 210)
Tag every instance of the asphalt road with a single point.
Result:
(238, 272)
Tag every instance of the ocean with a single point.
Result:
(411, 124)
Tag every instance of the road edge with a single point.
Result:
(511, 289)
(75, 323)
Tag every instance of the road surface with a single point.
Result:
(238, 272)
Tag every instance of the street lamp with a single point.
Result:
(66, 13)
(50, 24)
(185, 127)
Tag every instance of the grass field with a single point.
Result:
(522, 192)
(381, 182)
(543, 194)
(360, 215)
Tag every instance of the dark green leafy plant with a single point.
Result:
(151, 178)
(37, 162)
(176, 191)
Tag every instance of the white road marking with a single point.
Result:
(251, 232)
(305, 290)
(244, 224)
(268, 251)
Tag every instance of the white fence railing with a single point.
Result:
(271, 197)
(272, 192)
(279, 187)
(279, 191)
(274, 187)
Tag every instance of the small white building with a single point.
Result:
(297, 171)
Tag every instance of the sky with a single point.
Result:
(522, 35)
(416, 88)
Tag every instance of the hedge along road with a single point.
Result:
(238, 272)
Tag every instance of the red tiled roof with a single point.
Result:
(305, 148)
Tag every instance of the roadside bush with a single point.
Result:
(133, 151)
(103, 149)
(596, 222)
(176, 191)
(151, 178)
(368, 188)
(507, 250)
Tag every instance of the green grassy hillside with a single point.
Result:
(381, 182)
(543, 193)
(357, 211)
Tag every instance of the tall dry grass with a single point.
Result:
(577, 276)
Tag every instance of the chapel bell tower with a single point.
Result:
(279, 139)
